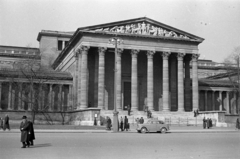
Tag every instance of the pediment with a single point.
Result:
(143, 27)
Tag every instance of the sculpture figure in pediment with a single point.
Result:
(147, 29)
(114, 29)
(185, 37)
(120, 29)
(101, 29)
(165, 32)
(106, 29)
(160, 32)
(153, 31)
(136, 30)
(174, 34)
(143, 28)
(127, 29)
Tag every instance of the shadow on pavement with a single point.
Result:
(41, 145)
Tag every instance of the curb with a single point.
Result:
(131, 131)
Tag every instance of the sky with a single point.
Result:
(217, 21)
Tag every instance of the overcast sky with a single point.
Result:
(218, 22)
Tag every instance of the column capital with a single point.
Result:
(150, 54)
(134, 53)
(180, 56)
(119, 52)
(165, 55)
(77, 52)
(84, 48)
(195, 57)
(102, 50)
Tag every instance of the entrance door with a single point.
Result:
(126, 94)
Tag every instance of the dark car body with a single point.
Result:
(153, 125)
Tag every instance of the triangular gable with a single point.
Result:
(142, 26)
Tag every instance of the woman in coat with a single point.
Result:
(24, 128)
(31, 134)
(121, 124)
(6, 124)
(126, 124)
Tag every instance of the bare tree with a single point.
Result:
(232, 64)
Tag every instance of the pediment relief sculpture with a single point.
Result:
(143, 29)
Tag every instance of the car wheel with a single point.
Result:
(163, 130)
(143, 130)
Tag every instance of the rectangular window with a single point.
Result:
(60, 44)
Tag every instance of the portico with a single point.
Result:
(153, 67)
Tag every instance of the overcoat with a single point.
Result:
(6, 123)
(31, 131)
(24, 128)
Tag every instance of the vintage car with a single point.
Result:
(153, 125)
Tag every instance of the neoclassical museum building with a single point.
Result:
(139, 63)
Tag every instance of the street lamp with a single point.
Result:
(115, 41)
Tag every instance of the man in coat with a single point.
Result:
(6, 123)
(31, 134)
(204, 123)
(24, 128)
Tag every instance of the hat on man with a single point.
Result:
(24, 117)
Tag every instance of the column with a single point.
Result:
(20, 97)
(40, 97)
(10, 97)
(29, 101)
(70, 104)
(227, 103)
(50, 98)
(119, 80)
(165, 56)
(195, 81)
(206, 100)
(84, 71)
(60, 98)
(134, 81)
(78, 83)
(180, 82)
(150, 80)
(188, 89)
(220, 100)
(213, 100)
(0, 95)
(101, 77)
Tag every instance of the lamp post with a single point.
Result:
(116, 41)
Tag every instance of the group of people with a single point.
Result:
(122, 125)
(4, 123)
(140, 121)
(27, 132)
(207, 123)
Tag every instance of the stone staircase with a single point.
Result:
(176, 118)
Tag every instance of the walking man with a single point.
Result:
(6, 124)
(31, 134)
(24, 128)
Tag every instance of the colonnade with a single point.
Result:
(218, 100)
(82, 71)
(21, 96)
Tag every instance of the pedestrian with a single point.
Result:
(141, 121)
(208, 123)
(121, 124)
(6, 124)
(1, 123)
(126, 124)
(24, 128)
(204, 123)
(109, 123)
(31, 134)
(237, 124)
(129, 109)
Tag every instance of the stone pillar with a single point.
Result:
(213, 100)
(60, 98)
(78, 82)
(20, 97)
(70, 97)
(101, 77)
(40, 97)
(195, 81)
(84, 71)
(220, 101)
(10, 96)
(206, 100)
(119, 80)
(227, 103)
(23, 99)
(180, 82)
(63, 98)
(50, 98)
(134, 81)
(165, 56)
(150, 80)
(0, 95)
(29, 101)
(188, 89)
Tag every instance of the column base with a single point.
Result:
(115, 121)
(181, 110)
(166, 110)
